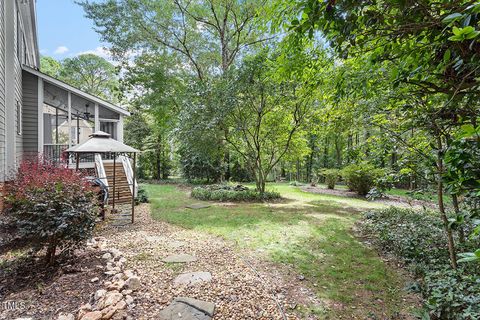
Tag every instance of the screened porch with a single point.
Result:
(70, 116)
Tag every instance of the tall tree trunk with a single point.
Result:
(325, 153)
(309, 167)
(338, 153)
(441, 204)
(297, 166)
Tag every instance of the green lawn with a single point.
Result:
(310, 232)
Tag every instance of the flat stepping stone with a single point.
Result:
(192, 278)
(198, 206)
(176, 244)
(188, 309)
(179, 258)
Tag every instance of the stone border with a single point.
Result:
(117, 296)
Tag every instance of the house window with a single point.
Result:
(18, 113)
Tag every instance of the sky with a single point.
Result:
(64, 32)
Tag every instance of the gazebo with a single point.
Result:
(108, 151)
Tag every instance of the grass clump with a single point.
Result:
(232, 193)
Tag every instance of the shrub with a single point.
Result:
(50, 207)
(296, 184)
(331, 177)
(232, 193)
(361, 178)
(142, 196)
(417, 237)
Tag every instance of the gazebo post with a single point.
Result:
(114, 177)
(133, 187)
(77, 161)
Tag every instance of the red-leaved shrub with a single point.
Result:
(50, 206)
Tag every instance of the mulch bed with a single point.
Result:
(43, 292)
(389, 200)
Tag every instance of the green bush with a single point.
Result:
(331, 177)
(50, 207)
(361, 178)
(232, 193)
(296, 184)
(142, 196)
(417, 237)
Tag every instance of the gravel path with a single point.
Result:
(241, 287)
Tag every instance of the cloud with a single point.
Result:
(61, 50)
(99, 51)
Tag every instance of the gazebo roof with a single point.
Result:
(101, 142)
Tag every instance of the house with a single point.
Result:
(41, 115)
(38, 113)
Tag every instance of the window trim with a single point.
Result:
(19, 118)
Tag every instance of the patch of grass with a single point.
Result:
(428, 196)
(175, 267)
(143, 256)
(310, 232)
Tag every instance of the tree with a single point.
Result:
(266, 117)
(50, 66)
(92, 74)
(209, 35)
(429, 51)
(153, 97)
(88, 72)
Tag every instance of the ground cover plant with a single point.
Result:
(418, 238)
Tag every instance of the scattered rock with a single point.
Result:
(129, 299)
(107, 256)
(133, 283)
(94, 315)
(111, 298)
(128, 273)
(116, 253)
(127, 292)
(192, 278)
(180, 258)
(117, 285)
(84, 309)
(100, 294)
(66, 316)
(94, 279)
